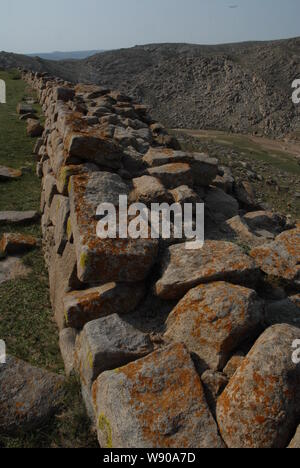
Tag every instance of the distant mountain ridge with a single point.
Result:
(74, 55)
(245, 88)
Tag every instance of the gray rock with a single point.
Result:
(106, 344)
(161, 404)
(284, 311)
(67, 340)
(28, 396)
(219, 202)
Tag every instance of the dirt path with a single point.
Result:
(289, 148)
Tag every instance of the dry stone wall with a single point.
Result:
(141, 320)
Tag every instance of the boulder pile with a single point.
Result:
(174, 347)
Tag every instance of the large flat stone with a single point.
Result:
(105, 260)
(81, 307)
(213, 320)
(161, 404)
(28, 396)
(217, 261)
(281, 258)
(260, 407)
(106, 344)
(18, 217)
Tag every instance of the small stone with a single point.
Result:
(7, 173)
(12, 268)
(233, 364)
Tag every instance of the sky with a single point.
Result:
(29, 26)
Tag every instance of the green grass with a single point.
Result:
(26, 318)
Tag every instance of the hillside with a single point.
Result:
(236, 87)
(76, 55)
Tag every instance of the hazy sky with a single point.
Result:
(44, 26)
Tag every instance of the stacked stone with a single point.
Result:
(141, 385)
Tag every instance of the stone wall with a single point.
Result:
(141, 320)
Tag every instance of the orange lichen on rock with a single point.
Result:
(161, 403)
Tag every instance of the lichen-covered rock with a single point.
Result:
(213, 320)
(260, 407)
(81, 307)
(106, 344)
(91, 144)
(243, 232)
(105, 260)
(161, 404)
(281, 258)
(217, 261)
(66, 172)
(14, 243)
(295, 443)
(28, 396)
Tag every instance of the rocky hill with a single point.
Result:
(237, 87)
